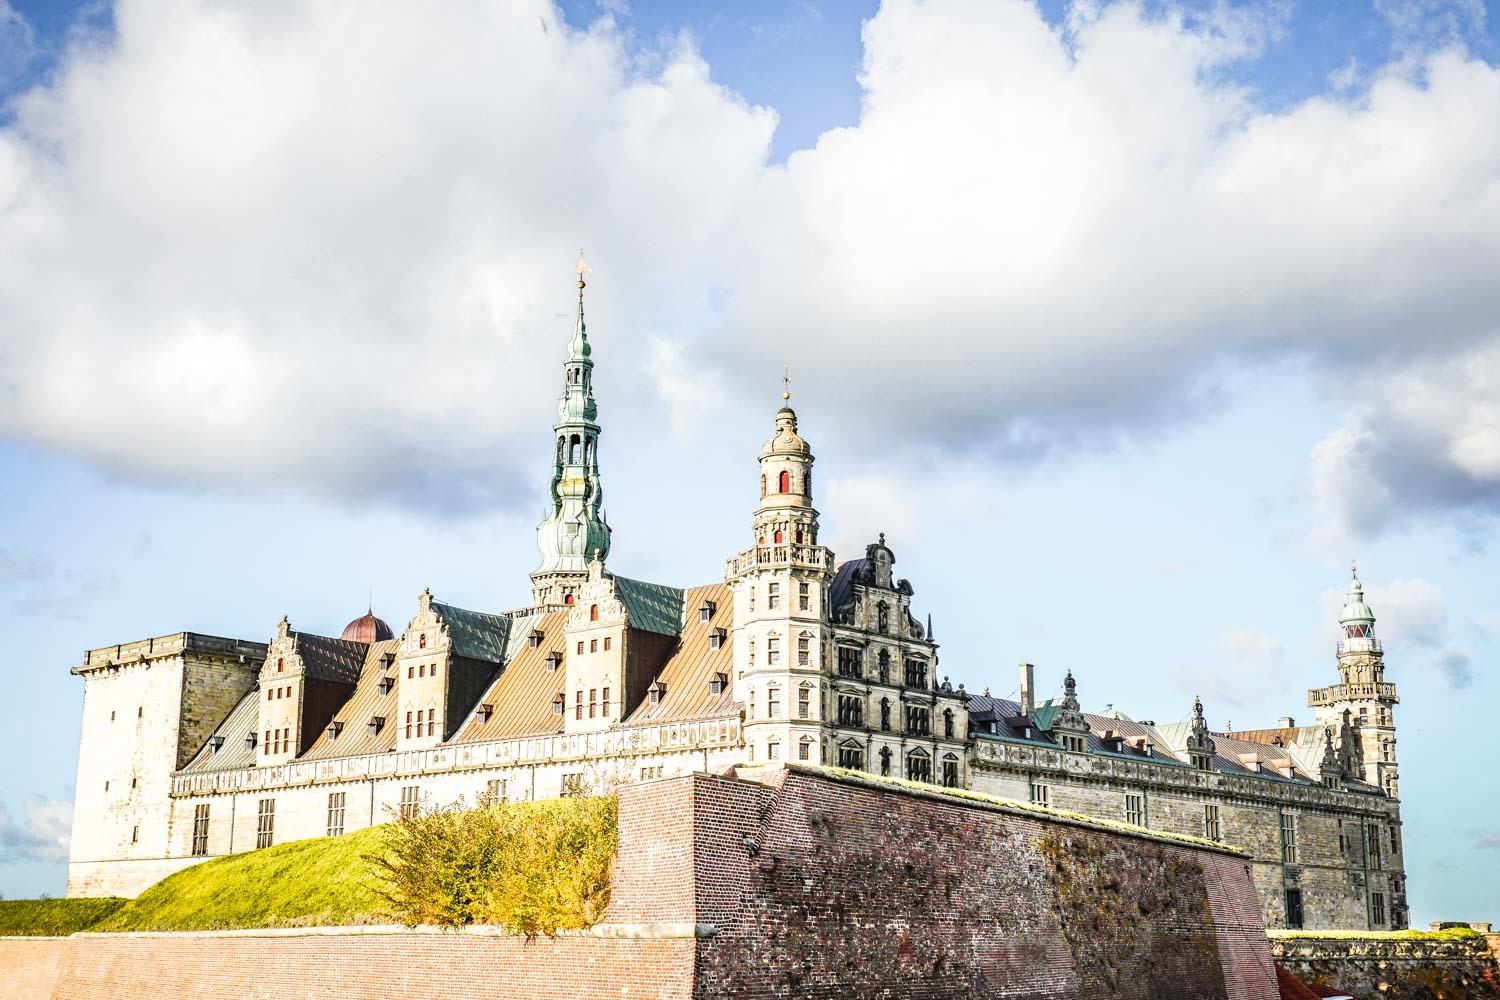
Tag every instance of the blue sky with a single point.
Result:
(1129, 326)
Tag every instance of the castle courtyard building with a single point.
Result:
(196, 746)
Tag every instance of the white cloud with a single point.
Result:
(286, 247)
(1406, 611)
(860, 508)
(1488, 622)
(1246, 668)
(44, 834)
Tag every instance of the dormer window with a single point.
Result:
(484, 713)
(334, 728)
(250, 741)
(390, 660)
(534, 638)
(373, 726)
(558, 703)
(386, 684)
(216, 742)
(716, 638)
(554, 660)
(655, 691)
(717, 683)
(706, 611)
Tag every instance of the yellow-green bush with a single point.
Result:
(533, 867)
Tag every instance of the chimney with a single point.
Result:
(1287, 722)
(1028, 690)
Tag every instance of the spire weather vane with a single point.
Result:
(786, 381)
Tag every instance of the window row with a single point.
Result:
(593, 645)
(598, 702)
(414, 723)
(773, 589)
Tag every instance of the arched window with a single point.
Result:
(562, 444)
(885, 666)
(786, 482)
(593, 612)
(589, 451)
(885, 715)
(799, 536)
(422, 641)
(948, 723)
(883, 616)
(885, 762)
(762, 485)
(574, 447)
(568, 599)
(778, 537)
(807, 483)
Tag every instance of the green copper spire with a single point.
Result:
(574, 530)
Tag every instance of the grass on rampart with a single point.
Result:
(303, 883)
(1446, 934)
(53, 917)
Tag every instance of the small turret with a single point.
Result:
(1200, 746)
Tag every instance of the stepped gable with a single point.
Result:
(475, 634)
(233, 751)
(521, 697)
(355, 713)
(687, 676)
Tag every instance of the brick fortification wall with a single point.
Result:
(795, 883)
(1395, 969)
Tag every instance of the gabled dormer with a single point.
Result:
(304, 680)
(446, 659)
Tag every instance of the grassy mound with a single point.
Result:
(53, 917)
(303, 883)
(1446, 934)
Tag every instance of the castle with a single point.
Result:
(195, 746)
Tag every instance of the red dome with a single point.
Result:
(367, 628)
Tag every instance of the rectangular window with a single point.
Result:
(408, 725)
(411, 801)
(803, 749)
(1377, 909)
(335, 813)
(752, 597)
(1288, 838)
(200, 830)
(804, 701)
(1135, 808)
(580, 647)
(1395, 842)
(850, 662)
(852, 756)
(265, 823)
(1040, 793)
(773, 703)
(773, 750)
(1211, 822)
(773, 595)
(1294, 917)
(593, 701)
(916, 673)
(593, 645)
(604, 703)
(495, 789)
(804, 651)
(431, 725)
(773, 651)
(851, 710)
(1373, 833)
(578, 705)
(804, 597)
(950, 772)
(606, 644)
(918, 721)
(572, 784)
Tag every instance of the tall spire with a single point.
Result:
(574, 529)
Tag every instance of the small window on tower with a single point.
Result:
(778, 538)
(785, 482)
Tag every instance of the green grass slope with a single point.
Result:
(53, 917)
(322, 881)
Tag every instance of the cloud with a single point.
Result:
(17, 45)
(861, 508)
(1455, 667)
(1422, 25)
(281, 247)
(40, 588)
(1246, 667)
(1488, 622)
(42, 836)
(1432, 444)
(1487, 842)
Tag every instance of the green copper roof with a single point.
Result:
(651, 606)
(476, 635)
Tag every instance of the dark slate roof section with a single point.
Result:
(687, 675)
(232, 753)
(1001, 717)
(651, 606)
(841, 590)
(365, 703)
(328, 659)
(476, 635)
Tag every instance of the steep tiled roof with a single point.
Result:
(651, 606)
(686, 675)
(327, 659)
(521, 697)
(475, 634)
(356, 712)
(232, 753)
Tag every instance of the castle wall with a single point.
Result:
(797, 883)
(1374, 969)
(1336, 881)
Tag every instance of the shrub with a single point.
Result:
(532, 867)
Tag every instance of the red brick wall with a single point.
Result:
(814, 886)
(397, 965)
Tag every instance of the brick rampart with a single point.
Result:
(795, 882)
(1394, 969)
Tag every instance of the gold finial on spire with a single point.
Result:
(1354, 569)
(786, 382)
(583, 269)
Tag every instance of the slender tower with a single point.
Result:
(1362, 699)
(574, 529)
